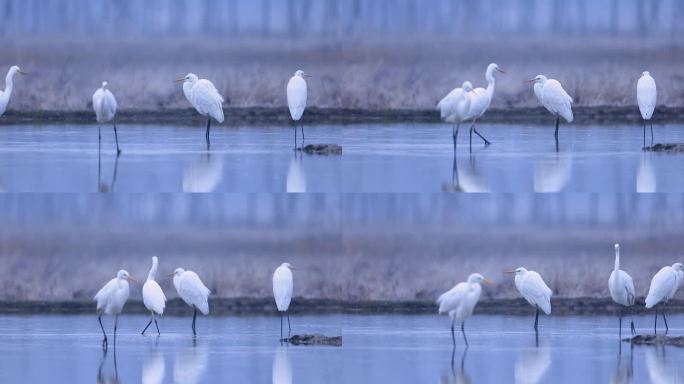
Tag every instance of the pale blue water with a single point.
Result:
(392, 349)
(376, 158)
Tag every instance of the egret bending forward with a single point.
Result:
(460, 301)
(553, 97)
(663, 287)
(153, 296)
(202, 94)
(9, 86)
(533, 289)
(481, 100)
(454, 107)
(282, 293)
(621, 287)
(296, 100)
(104, 104)
(111, 300)
(193, 291)
(647, 97)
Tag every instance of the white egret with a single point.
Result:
(454, 107)
(621, 287)
(111, 299)
(193, 291)
(553, 97)
(533, 289)
(460, 301)
(104, 104)
(647, 97)
(9, 86)
(282, 293)
(296, 100)
(153, 296)
(663, 287)
(202, 95)
(481, 100)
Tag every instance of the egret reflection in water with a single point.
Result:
(105, 377)
(552, 174)
(532, 365)
(203, 175)
(282, 368)
(466, 178)
(457, 376)
(154, 368)
(296, 178)
(624, 371)
(104, 187)
(646, 178)
(661, 369)
(190, 364)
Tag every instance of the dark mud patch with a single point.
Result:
(323, 149)
(666, 148)
(656, 340)
(313, 340)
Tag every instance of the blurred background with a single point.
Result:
(349, 247)
(368, 54)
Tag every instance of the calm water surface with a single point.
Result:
(387, 349)
(377, 158)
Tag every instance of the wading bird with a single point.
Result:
(191, 289)
(553, 97)
(459, 302)
(9, 86)
(296, 100)
(282, 293)
(663, 287)
(104, 105)
(111, 299)
(202, 95)
(454, 107)
(621, 288)
(153, 296)
(481, 100)
(533, 289)
(647, 96)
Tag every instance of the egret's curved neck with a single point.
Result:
(9, 84)
(491, 83)
(153, 271)
(617, 259)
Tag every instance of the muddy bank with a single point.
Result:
(279, 116)
(265, 306)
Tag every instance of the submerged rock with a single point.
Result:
(323, 149)
(670, 147)
(656, 340)
(335, 341)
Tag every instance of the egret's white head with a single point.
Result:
(189, 78)
(14, 70)
(478, 278)
(467, 86)
(123, 275)
(678, 267)
(178, 272)
(645, 73)
(155, 260)
(617, 247)
(518, 271)
(539, 79)
(494, 67)
(302, 74)
(288, 266)
(104, 85)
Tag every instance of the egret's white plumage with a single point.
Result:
(460, 301)
(553, 97)
(282, 291)
(104, 105)
(296, 178)
(646, 181)
(533, 289)
(647, 97)
(205, 98)
(193, 291)
(454, 107)
(482, 99)
(621, 286)
(297, 94)
(9, 86)
(531, 366)
(663, 287)
(282, 368)
(154, 368)
(111, 299)
(153, 296)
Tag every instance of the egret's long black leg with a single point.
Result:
(463, 332)
(482, 137)
(633, 329)
(99, 157)
(644, 133)
(453, 335)
(454, 134)
(207, 134)
(157, 325)
(651, 132)
(281, 323)
(556, 134)
(289, 329)
(147, 326)
(116, 137)
(620, 331)
(104, 340)
(303, 138)
(655, 323)
(116, 322)
(667, 329)
(536, 320)
(194, 318)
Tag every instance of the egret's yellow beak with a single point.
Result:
(501, 70)
(488, 282)
(180, 80)
(131, 279)
(171, 274)
(530, 81)
(511, 271)
(22, 72)
(307, 75)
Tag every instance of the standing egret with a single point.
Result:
(104, 105)
(9, 86)
(454, 107)
(621, 288)
(481, 100)
(647, 96)
(663, 287)
(533, 289)
(191, 289)
(553, 97)
(153, 296)
(282, 293)
(111, 299)
(296, 100)
(202, 94)
(460, 301)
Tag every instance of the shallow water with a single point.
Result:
(376, 158)
(397, 349)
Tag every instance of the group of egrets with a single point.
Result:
(467, 104)
(113, 296)
(460, 301)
